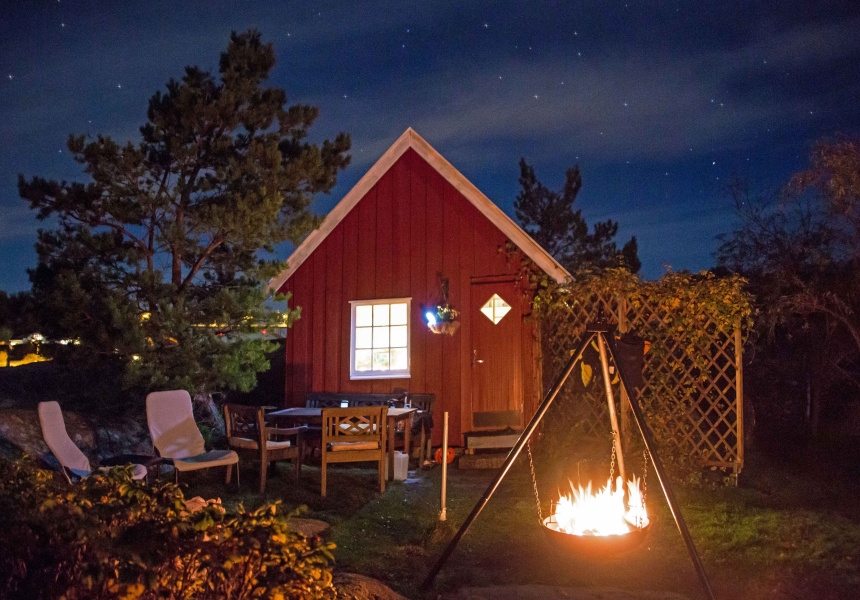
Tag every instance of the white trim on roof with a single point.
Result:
(410, 139)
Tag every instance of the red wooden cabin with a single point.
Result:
(367, 277)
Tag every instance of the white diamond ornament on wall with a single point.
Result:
(495, 308)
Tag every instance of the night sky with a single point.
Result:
(658, 102)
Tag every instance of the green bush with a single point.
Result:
(111, 537)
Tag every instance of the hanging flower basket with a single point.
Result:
(446, 327)
(443, 320)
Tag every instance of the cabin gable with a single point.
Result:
(406, 232)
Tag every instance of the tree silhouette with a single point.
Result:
(156, 260)
(549, 217)
(800, 248)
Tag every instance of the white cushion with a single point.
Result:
(341, 446)
(274, 445)
(249, 444)
(213, 458)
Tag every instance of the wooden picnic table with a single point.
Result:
(306, 415)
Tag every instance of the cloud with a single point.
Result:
(610, 107)
(19, 223)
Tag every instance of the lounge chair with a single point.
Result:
(75, 464)
(176, 437)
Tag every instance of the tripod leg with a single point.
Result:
(645, 430)
(509, 461)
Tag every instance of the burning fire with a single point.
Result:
(600, 513)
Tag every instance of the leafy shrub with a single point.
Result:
(110, 537)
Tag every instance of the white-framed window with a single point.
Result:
(379, 339)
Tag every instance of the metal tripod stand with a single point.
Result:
(605, 336)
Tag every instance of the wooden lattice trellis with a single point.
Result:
(698, 404)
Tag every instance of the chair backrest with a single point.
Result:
(323, 400)
(422, 402)
(171, 424)
(245, 425)
(359, 424)
(386, 401)
(57, 438)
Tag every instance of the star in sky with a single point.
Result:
(670, 84)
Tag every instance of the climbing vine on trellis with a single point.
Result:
(696, 324)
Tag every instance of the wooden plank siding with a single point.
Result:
(411, 228)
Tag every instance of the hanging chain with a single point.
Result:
(612, 463)
(534, 482)
(644, 476)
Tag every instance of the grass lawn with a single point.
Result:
(783, 533)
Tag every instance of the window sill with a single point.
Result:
(379, 375)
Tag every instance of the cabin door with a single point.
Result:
(495, 319)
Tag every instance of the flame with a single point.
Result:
(601, 513)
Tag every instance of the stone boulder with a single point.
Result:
(547, 592)
(308, 527)
(358, 587)
(20, 431)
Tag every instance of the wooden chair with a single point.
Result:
(354, 435)
(422, 423)
(247, 432)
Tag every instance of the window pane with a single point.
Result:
(380, 314)
(398, 336)
(487, 310)
(380, 337)
(363, 360)
(364, 337)
(363, 316)
(399, 360)
(398, 314)
(495, 308)
(380, 360)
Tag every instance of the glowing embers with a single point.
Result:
(495, 308)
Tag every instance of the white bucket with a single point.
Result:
(401, 466)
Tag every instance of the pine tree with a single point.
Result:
(548, 216)
(156, 260)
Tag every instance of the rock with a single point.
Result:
(358, 587)
(20, 429)
(196, 503)
(547, 592)
(308, 527)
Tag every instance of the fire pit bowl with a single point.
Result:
(594, 546)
